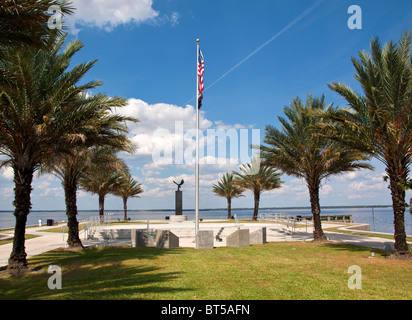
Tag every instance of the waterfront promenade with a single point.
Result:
(47, 241)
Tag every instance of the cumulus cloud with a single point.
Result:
(165, 140)
(368, 181)
(7, 173)
(160, 125)
(108, 14)
(166, 134)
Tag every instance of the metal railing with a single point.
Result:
(96, 222)
(291, 222)
(274, 217)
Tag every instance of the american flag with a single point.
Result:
(200, 71)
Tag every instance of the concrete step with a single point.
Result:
(113, 234)
(125, 234)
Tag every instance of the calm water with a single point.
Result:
(381, 220)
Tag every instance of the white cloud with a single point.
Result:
(368, 182)
(366, 185)
(326, 189)
(7, 173)
(6, 192)
(55, 192)
(220, 125)
(108, 14)
(349, 176)
(166, 135)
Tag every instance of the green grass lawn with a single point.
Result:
(262, 272)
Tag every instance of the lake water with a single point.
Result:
(381, 220)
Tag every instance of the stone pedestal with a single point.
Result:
(179, 203)
(143, 238)
(179, 218)
(204, 239)
(165, 239)
(258, 236)
(239, 238)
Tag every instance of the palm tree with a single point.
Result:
(379, 122)
(69, 168)
(128, 188)
(258, 178)
(110, 130)
(38, 120)
(24, 23)
(297, 150)
(225, 188)
(103, 175)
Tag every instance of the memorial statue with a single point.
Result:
(179, 184)
(179, 200)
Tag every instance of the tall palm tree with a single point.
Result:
(225, 188)
(128, 188)
(258, 178)
(24, 23)
(379, 121)
(110, 130)
(38, 120)
(103, 175)
(297, 150)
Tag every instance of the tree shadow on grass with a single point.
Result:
(100, 254)
(355, 248)
(105, 273)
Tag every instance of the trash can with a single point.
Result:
(50, 222)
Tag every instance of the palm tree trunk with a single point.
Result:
(318, 234)
(256, 208)
(229, 208)
(23, 178)
(70, 190)
(398, 204)
(125, 208)
(101, 207)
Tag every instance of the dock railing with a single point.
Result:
(291, 222)
(274, 217)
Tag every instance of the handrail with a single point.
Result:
(290, 221)
(95, 223)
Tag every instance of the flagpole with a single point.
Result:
(197, 145)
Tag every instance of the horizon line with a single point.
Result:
(218, 209)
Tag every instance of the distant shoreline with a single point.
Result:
(220, 209)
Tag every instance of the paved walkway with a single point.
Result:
(275, 232)
(46, 242)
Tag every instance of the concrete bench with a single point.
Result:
(258, 236)
(163, 239)
(143, 238)
(204, 239)
(239, 238)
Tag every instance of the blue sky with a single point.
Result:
(258, 56)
